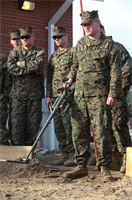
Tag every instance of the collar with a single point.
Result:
(89, 42)
(59, 52)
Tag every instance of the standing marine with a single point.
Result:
(96, 71)
(59, 66)
(26, 65)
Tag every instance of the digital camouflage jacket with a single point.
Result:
(59, 66)
(28, 77)
(96, 68)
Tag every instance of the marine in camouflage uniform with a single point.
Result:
(15, 41)
(120, 137)
(120, 115)
(97, 71)
(5, 86)
(26, 64)
(59, 65)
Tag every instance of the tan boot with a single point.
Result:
(115, 161)
(79, 171)
(62, 159)
(105, 170)
(92, 161)
(123, 167)
(70, 162)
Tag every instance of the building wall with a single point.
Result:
(12, 18)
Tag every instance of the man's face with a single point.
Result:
(60, 40)
(27, 41)
(16, 42)
(91, 28)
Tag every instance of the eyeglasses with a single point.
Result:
(58, 37)
(26, 37)
(88, 24)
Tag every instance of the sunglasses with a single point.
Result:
(58, 37)
(26, 37)
(16, 39)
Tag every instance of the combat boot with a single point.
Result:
(92, 161)
(123, 167)
(105, 170)
(79, 171)
(115, 161)
(62, 159)
(70, 162)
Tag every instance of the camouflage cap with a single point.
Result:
(88, 17)
(58, 31)
(15, 34)
(26, 31)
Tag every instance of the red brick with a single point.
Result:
(13, 18)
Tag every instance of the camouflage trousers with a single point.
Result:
(4, 132)
(63, 128)
(120, 137)
(92, 109)
(26, 116)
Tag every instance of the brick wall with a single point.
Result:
(12, 18)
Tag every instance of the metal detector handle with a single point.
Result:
(68, 97)
(62, 91)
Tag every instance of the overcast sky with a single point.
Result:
(115, 15)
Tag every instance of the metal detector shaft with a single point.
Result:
(57, 104)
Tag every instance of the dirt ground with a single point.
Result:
(41, 180)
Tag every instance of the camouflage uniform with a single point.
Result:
(58, 68)
(120, 137)
(97, 71)
(5, 86)
(27, 90)
(15, 34)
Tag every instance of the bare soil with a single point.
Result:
(41, 180)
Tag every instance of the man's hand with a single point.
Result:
(111, 101)
(70, 82)
(48, 101)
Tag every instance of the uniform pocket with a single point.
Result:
(100, 61)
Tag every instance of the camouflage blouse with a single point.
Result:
(28, 76)
(58, 68)
(96, 68)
